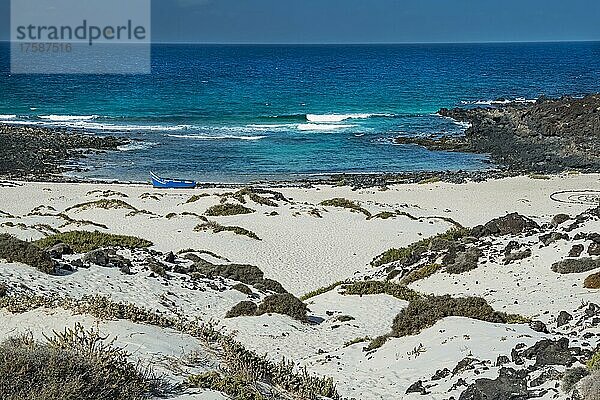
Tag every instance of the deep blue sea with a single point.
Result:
(240, 113)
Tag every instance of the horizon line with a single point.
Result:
(355, 43)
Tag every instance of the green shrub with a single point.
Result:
(84, 241)
(16, 250)
(377, 342)
(356, 340)
(75, 364)
(218, 228)
(420, 273)
(424, 312)
(286, 304)
(433, 179)
(248, 274)
(196, 197)
(238, 360)
(251, 193)
(413, 252)
(383, 215)
(322, 290)
(378, 287)
(103, 203)
(237, 387)
(345, 203)
(243, 308)
(240, 287)
(226, 209)
(594, 363)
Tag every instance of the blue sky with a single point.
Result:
(367, 21)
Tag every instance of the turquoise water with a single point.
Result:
(238, 113)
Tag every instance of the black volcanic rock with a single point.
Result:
(546, 137)
(513, 224)
(510, 385)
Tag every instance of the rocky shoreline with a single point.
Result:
(36, 153)
(549, 136)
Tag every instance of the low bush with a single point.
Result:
(424, 312)
(322, 290)
(592, 281)
(594, 363)
(378, 287)
(84, 241)
(285, 374)
(196, 197)
(243, 308)
(75, 364)
(286, 304)
(576, 265)
(237, 387)
(420, 273)
(433, 179)
(218, 228)
(103, 203)
(220, 210)
(383, 215)
(240, 287)
(356, 340)
(345, 203)
(16, 250)
(252, 195)
(412, 253)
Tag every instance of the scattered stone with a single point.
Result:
(559, 219)
(170, 257)
(552, 237)
(550, 352)
(563, 318)
(58, 250)
(510, 385)
(592, 310)
(519, 255)
(538, 326)
(417, 387)
(440, 374)
(576, 250)
(513, 224)
(594, 249)
(465, 261)
(501, 360)
(464, 365)
(548, 374)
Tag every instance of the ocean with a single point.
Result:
(237, 113)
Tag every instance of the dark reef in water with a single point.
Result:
(549, 136)
(35, 153)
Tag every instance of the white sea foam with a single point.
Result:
(339, 117)
(218, 137)
(521, 100)
(136, 146)
(7, 116)
(61, 118)
(323, 127)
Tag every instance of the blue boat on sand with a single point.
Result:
(168, 183)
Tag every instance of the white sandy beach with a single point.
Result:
(304, 252)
